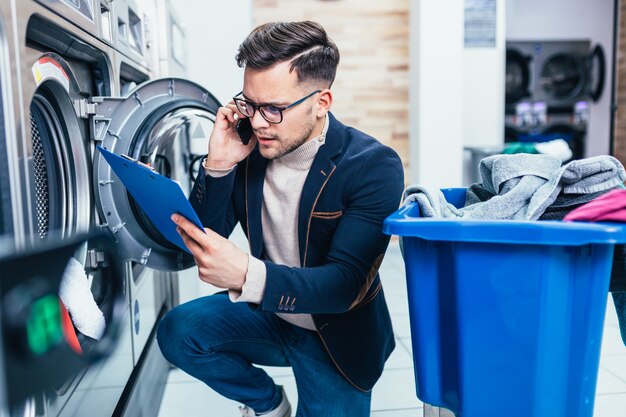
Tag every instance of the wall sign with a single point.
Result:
(480, 23)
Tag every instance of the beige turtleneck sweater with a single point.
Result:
(284, 180)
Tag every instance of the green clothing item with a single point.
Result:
(520, 147)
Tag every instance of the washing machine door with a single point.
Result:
(564, 76)
(165, 123)
(597, 73)
(517, 75)
(59, 165)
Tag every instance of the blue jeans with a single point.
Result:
(218, 342)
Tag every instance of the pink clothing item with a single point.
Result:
(611, 207)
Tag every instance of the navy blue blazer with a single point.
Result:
(354, 183)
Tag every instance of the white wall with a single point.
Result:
(214, 30)
(483, 89)
(436, 92)
(483, 97)
(570, 19)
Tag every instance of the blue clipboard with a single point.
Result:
(158, 196)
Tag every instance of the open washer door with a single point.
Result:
(165, 123)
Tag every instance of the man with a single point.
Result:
(311, 195)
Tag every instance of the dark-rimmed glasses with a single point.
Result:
(273, 114)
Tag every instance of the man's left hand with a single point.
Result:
(219, 261)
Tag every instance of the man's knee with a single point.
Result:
(170, 336)
(178, 331)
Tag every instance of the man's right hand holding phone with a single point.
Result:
(226, 147)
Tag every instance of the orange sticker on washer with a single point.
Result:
(47, 68)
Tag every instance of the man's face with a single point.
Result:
(279, 87)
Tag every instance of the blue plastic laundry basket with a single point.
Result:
(506, 316)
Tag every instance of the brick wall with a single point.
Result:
(371, 89)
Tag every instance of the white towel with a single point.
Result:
(78, 300)
(557, 148)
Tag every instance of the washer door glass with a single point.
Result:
(165, 123)
(174, 147)
(563, 76)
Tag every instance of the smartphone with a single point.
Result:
(244, 129)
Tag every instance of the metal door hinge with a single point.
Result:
(95, 259)
(84, 108)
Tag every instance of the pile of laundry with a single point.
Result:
(536, 187)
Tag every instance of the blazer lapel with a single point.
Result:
(255, 177)
(322, 169)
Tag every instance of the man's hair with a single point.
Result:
(312, 53)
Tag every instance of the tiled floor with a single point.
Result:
(394, 394)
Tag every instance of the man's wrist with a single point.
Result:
(245, 261)
(253, 286)
(217, 165)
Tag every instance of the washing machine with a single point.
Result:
(558, 73)
(85, 77)
(10, 207)
(549, 88)
(58, 67)
(171, 34)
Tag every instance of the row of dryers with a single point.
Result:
(75, 74)
(550, 86)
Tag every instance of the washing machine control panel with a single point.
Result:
(93, 16)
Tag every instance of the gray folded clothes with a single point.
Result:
(432, 203)
(566, 203)
(521, 186)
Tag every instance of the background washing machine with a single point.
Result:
(549, 88)
(7, 137)
(172, 54)
(85, 71)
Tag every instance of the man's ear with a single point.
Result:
(324, 102)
